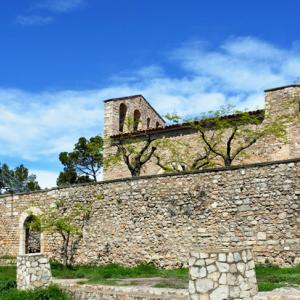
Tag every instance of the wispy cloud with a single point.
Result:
(37, 126)
(52, 7)
(33, 20)
(58, 6)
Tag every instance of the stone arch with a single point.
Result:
(122, 116)
(136, 119)
(148, 123)
(28, 215)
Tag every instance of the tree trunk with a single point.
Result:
(228, 162)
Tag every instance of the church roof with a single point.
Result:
(176, 127)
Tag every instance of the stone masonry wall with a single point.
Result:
(33, 271)
(222, 274)
(159, 219)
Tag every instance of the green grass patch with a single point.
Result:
(272, 277)
(102, 274)
(7, 257)
(268, 277)
(166, 285)
(7, 273)
(50, 293)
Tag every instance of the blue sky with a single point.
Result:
(60, 58)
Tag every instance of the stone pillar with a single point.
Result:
(222, 274)
(33, 271)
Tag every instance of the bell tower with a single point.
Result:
(135, 108)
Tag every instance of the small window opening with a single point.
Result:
(148, 123)
(157, 124)
(136, 119)
(122, 116)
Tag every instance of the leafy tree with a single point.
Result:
(17, 179)
(175, 156)
(84, 163)
(227, 133)
(134, 151)
(67, 221)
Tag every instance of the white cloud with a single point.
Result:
(32, 20)
(37, 126)
(46, 179)
(58, 6)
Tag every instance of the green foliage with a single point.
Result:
(166, 285)
(226, 133)
(18, 179)
(175, 156)
(7, 256)
(270, 277)
(7, 273)
(50, 293)
(84, 163)
(101, 274)
(6, 285)
(33, 223)
(68, 222)
(174, 118)
(134, 151)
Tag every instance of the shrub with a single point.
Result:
(50, 293)
(6, 285)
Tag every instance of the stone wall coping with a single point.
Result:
(32, 255)
(219, 250)
(139, 291)
(282, 87)
(128, 179)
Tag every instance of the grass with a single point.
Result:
(50, 293)
(104, 274)
(7, 273)
(268, 277)
(272, 277)
(8, 289)
(7, 257)
(170, 285)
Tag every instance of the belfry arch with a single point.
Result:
(122, 116)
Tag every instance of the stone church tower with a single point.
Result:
(279, 102)
(135, 108)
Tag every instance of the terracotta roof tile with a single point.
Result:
(259, 113)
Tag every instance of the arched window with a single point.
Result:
(122, 116)
(157, 124)
(32, 235)
(148, 123)
(136, 119)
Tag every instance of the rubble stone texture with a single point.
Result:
(101, 292)
(159, 219)
(222, 274)
(33, 271)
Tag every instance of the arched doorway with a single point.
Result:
(31, 238)
(32, 235)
